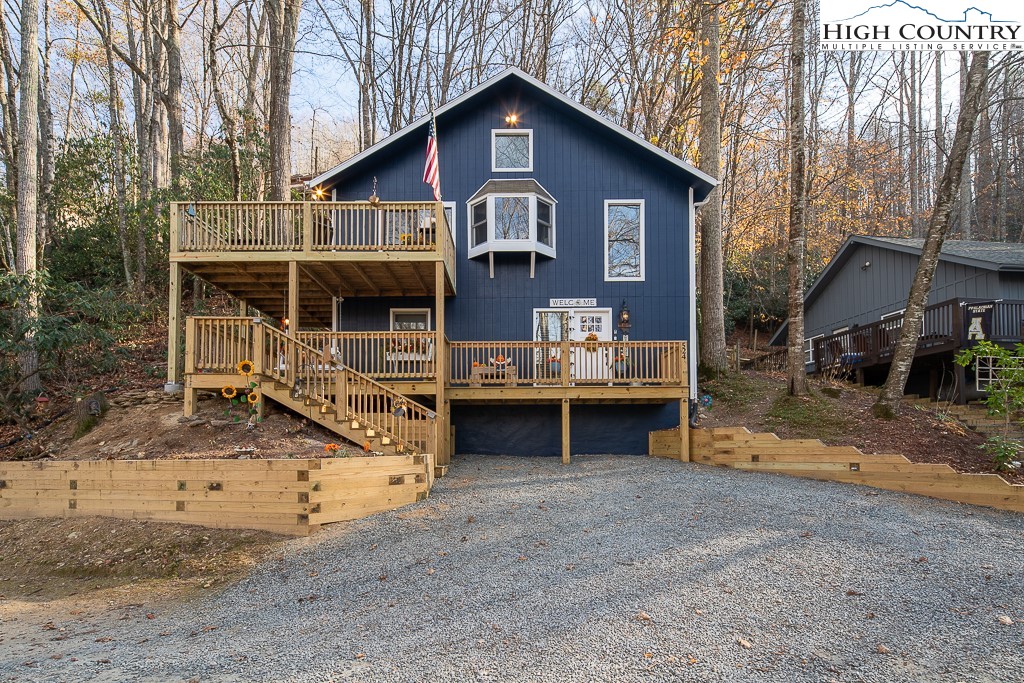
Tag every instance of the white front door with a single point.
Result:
(576, 324)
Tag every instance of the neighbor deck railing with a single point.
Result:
(941, 329)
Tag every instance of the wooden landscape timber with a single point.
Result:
(292, 497)
(738, 448)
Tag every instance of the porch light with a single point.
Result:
(624, 323)
(512, 119)
(319, 194)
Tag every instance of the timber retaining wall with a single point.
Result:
(285, 496)
(740, 449)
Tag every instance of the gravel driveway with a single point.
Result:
(611, 569)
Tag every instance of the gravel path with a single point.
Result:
(611, 569)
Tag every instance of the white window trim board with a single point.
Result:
(495, 132)
(643, 240)
(409, 310)
(493, 244)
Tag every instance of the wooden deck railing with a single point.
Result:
(479, 363)
(312, 226)
(218, 344)
(941, 330)
(382, 355)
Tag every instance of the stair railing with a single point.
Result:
(352, 395)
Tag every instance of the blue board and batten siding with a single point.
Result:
(582, 166)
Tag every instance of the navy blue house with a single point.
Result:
(543, 305)
(561, 222)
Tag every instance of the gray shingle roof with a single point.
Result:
(512, 186)
(996, 253)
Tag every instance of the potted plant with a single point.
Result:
(621, 364)
(555, 365)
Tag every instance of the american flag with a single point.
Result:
(431, 175)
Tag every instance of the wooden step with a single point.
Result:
(440, 471)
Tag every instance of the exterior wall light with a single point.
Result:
(624, 323)
(512, 119)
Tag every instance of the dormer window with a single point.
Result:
(511, 150)
(512, 215)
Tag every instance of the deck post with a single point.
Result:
(565, 431)
(174, 330)
(243, 307)
(293, 319)
(684, 429)
(440, 364)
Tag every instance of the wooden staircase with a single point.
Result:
(347, 402)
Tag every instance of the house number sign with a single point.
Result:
(572, 303)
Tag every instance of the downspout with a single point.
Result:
(693, 351)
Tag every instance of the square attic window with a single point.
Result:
(511, 150)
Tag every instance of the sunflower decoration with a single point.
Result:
(229, 392)
(246, 367)
(253, 397)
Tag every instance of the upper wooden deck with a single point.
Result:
(345, 249)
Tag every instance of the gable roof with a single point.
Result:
(702, 183)
(998, 256)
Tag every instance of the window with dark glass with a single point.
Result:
(513, 151)
(479, 227)
(511, 218)
(544, 234)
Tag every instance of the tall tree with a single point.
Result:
(712, 302)
(28, 186)
(284, 26)
(888, 402)
(796, 371)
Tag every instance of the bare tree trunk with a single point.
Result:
(28, 160)
(964, 195)
(9, 105)
(940, 140)
(46, 169)
(284, 24)
(227, 117)
(985, 190)
(172, 101)
(797, 230)
(888, 403)
(712, 329)
(118, 171)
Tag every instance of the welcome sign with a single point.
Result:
(965, 25)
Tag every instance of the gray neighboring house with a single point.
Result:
(868, 280)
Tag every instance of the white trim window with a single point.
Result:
(886, 316)
(511, 150)
(501, 219)
(449, 215)
(623, 239)
(410, 319)
(809, 349)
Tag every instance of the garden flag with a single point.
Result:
(431, 174)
